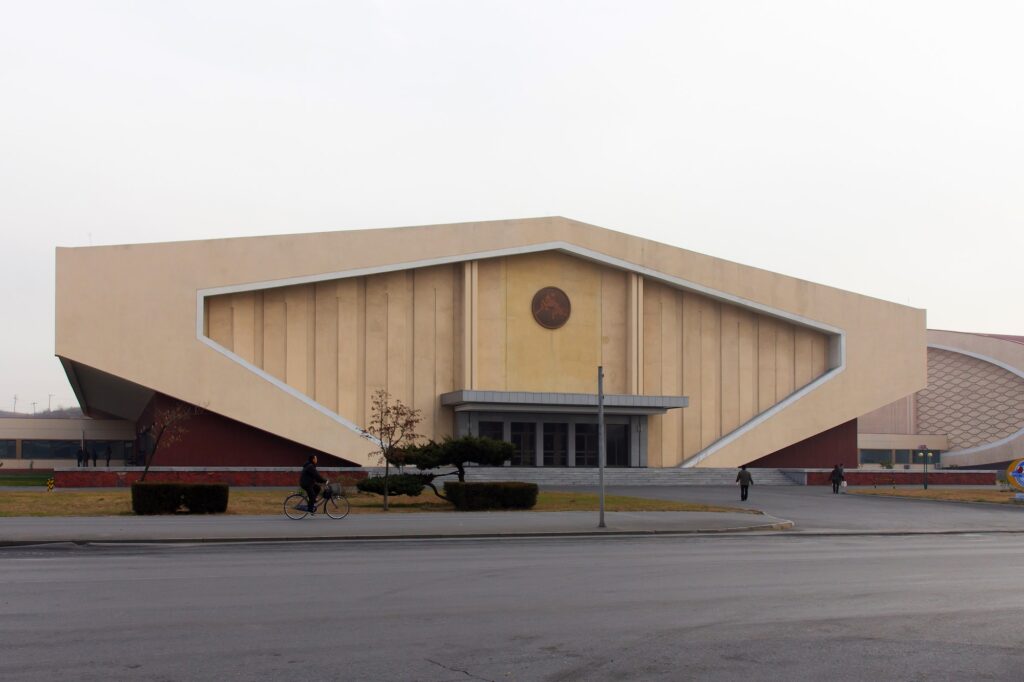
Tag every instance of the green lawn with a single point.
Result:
(28, 479)
(84, 502)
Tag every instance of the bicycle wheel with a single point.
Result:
(336, 506)
(295, 506)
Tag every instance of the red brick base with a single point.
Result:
(886, 477)
(121, 478)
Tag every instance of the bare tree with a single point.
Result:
(393, 429)
(168, 428)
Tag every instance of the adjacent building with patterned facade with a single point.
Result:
(971, 413)
(493, 328)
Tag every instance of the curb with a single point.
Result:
(780, 525)
(897, 533)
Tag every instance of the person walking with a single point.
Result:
(745, 480)
(107, 453)
(837, 478)
(81, 455)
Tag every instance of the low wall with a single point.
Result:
(898, 477)
(122, 477)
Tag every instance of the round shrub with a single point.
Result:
(491, 495)
(398, 484)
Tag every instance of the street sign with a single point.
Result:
(1015, 474)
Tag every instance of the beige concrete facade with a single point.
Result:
(292, 334)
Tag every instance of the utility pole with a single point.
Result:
(49, 402)
(600, 439)
(15, 408)
(33, 408)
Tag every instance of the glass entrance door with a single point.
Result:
(524, 437)
(556, 444)
(586, 445)
(617, 445)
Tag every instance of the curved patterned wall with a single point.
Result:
(973, 401)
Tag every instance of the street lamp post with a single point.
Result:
(927, 456)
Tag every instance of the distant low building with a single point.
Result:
(45, 443)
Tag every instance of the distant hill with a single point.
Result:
(66, 413)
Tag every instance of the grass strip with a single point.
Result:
(269, 502)
(24, 479)
(992, 496)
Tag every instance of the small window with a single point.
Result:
(50, 449)
(876, 456)
(494, 430)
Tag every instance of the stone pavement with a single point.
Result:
(222, 528)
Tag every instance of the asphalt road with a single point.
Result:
(762, 607)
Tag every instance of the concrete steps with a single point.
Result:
(624, 477)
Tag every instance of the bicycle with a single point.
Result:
(333, 503)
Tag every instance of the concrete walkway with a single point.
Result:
(138, 529)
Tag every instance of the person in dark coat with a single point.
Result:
(310, 481)
(95, 456)
(745, 480)
(108, 455)
(80, 455)
(837, 478)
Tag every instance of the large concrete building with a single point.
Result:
(493, 328)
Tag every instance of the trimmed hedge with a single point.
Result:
(398, 484)
(497, 495)
(170, 498)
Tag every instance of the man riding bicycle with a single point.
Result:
(310, 481)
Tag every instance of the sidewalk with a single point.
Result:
(188, 529)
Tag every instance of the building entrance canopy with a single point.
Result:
(577, 403)
(560, 429)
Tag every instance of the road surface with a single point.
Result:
(777, 607)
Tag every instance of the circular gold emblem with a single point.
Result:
(551, 307)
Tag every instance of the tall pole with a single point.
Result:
(600, 439)
(49, 402)
(15, 408)
(924, 455)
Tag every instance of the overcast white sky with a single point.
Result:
(872, 146)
